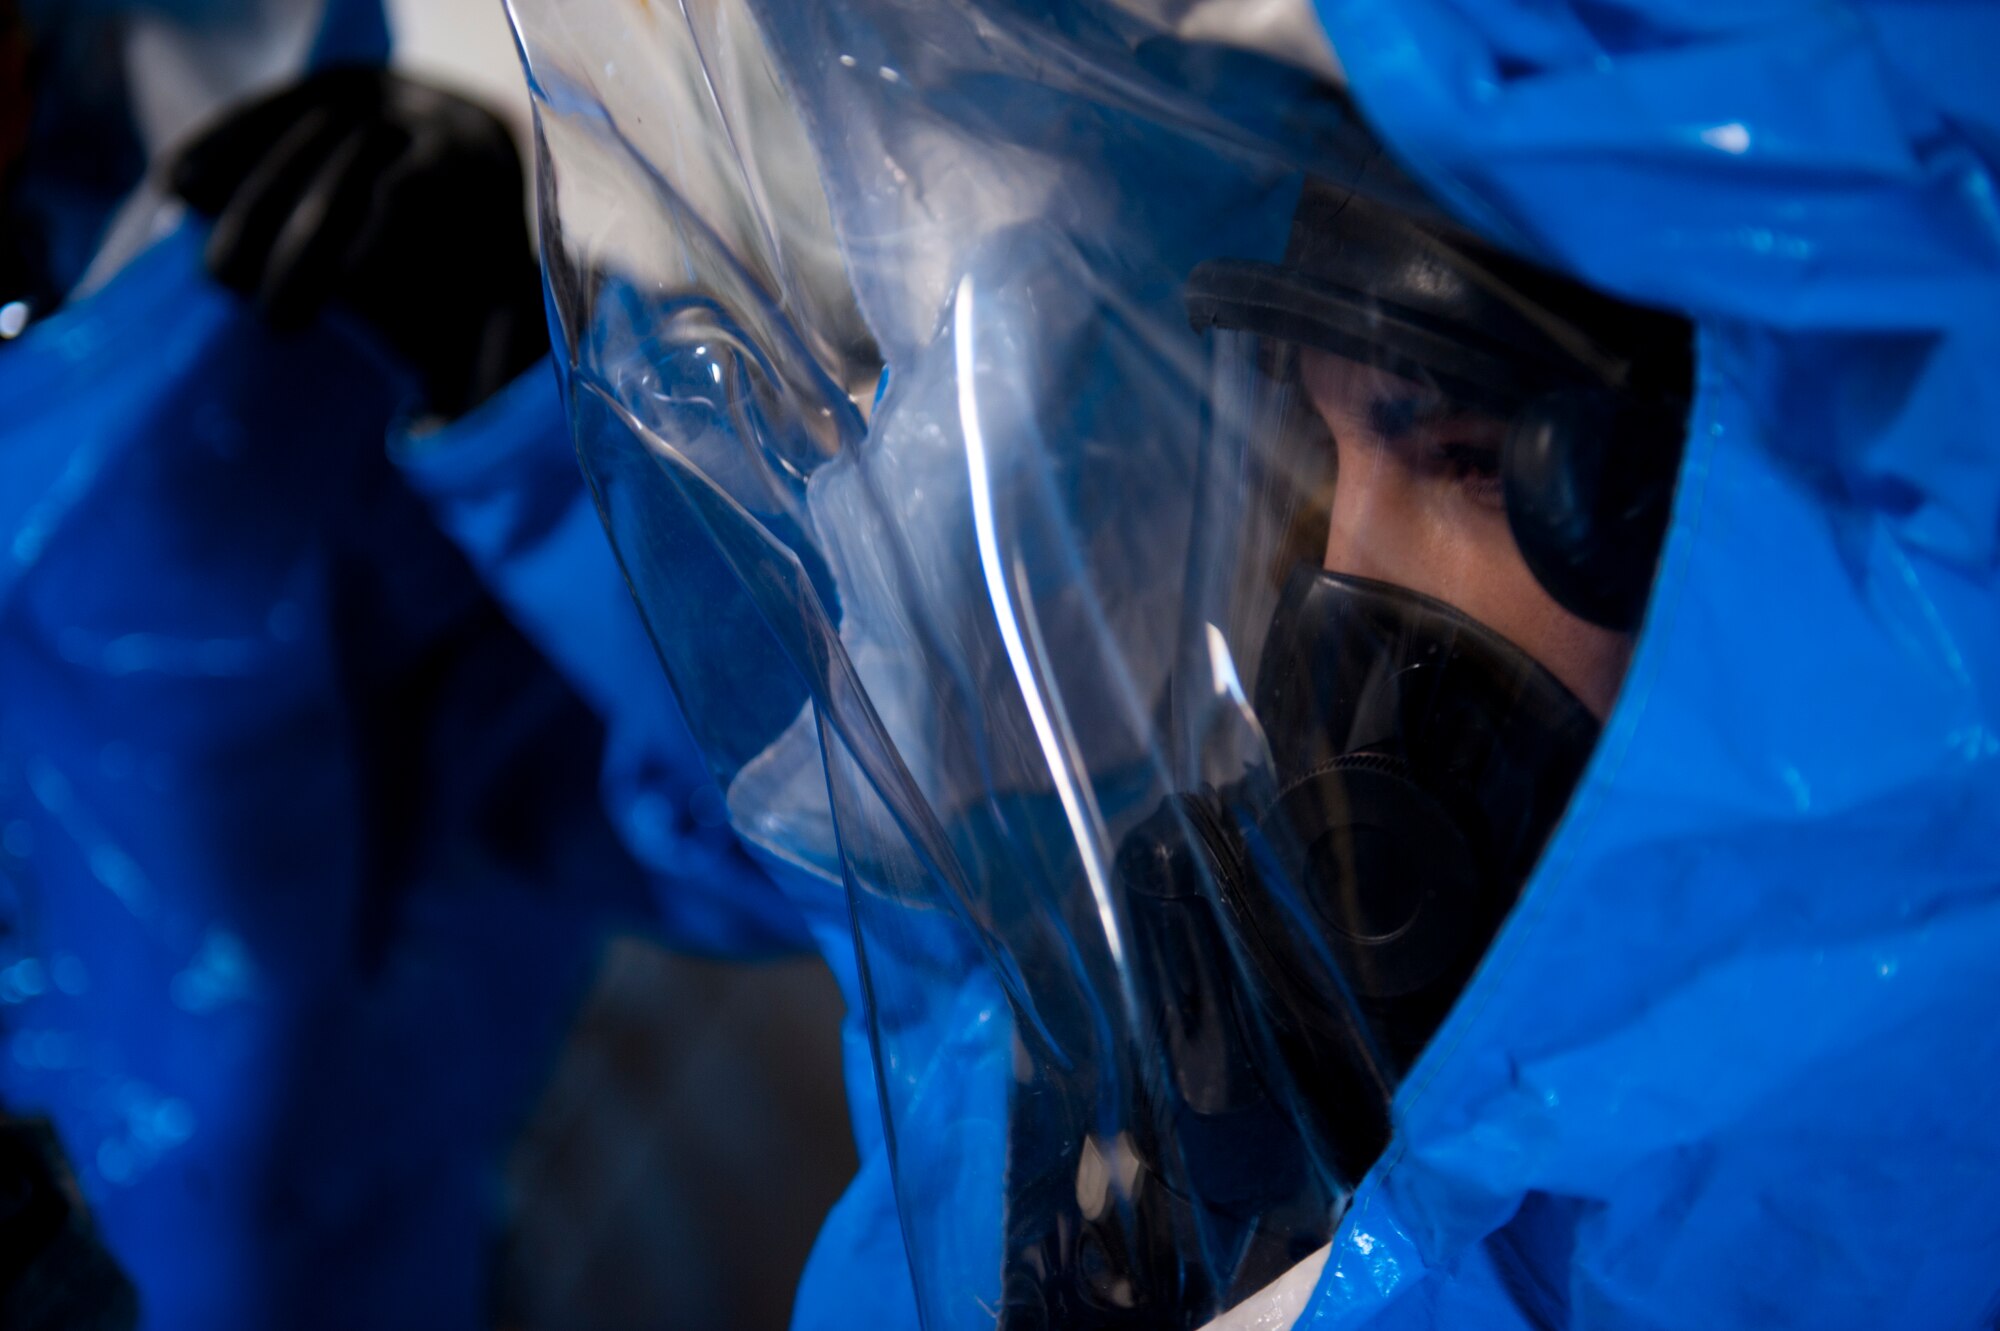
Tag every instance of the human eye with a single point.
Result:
(1465, 458)
(1473, 467)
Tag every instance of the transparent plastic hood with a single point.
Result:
(1087, 501)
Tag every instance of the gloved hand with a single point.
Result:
(401, 201)
(55, 1275)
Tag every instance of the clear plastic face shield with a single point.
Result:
(1184, 657)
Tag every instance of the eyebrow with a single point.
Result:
(1395, 418)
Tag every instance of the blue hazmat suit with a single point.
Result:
(1725, 1062)
(1725, 1067)
(303, 858)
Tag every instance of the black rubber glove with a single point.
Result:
(401, 201)
(55, 1275)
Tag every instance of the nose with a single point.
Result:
(1372, 516)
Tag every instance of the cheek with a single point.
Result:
(1589, 660)
(1388, 526)
(1467, 559)
(1484, 576)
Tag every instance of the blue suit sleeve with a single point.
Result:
(503, 482)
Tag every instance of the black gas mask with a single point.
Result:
(1418, 758)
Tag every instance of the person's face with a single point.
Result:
(1417, 502)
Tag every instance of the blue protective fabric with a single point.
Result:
(301, 862)
(1732, 1062)
(503, 483)
(302, 859)
(351, 32)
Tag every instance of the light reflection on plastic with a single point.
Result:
(111, 866)
(22, 980)
(1222, 668)
(152, 1123)
(220, 973)
(121, 873)
(1973, 742)
(1078, 802)
(1732, 138)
